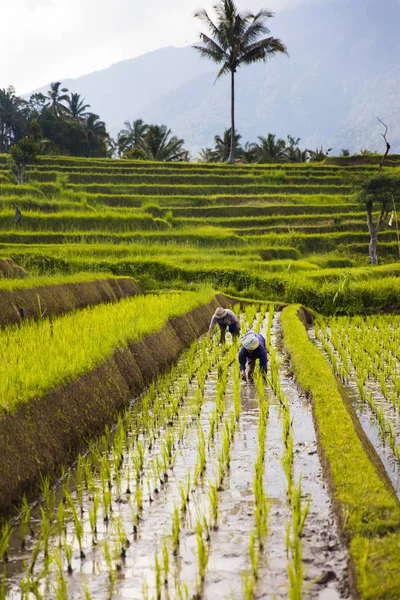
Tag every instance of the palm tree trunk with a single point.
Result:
(232, 149)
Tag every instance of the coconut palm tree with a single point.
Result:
(158, 145)
(76, 107)
(95, 131)
(56, 99)
(223, 145)
(234, 41)
(129, 137)
(271, 150)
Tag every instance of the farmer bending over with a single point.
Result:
(225, 318)
(253, 348)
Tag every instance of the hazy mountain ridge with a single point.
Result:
(343, 71)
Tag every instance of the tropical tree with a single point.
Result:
(21, 154)
(76, 106)
(12, 119)
(271, 150)
(318, 155)
(383, 192)
(223, 145)
(234, 41)
(129, 137)
(95, 133)
(56, 99)
(157, 144)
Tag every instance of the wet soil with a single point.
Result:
(324, 558)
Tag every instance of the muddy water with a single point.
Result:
(228, 546)
(369, 421)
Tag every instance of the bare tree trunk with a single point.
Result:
(232, 149)
(20, 174)
(373, 232)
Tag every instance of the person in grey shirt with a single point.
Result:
(225, 319)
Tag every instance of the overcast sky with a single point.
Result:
(47, 40)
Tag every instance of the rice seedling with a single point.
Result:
(112, 574)
(93, 516)
(176, 527)
(6, 531)
(61, 584)
(158, 575)
(165, 560)
(45, 532)
(68, 549)
(25, 526)
(202, 557)
(213, 499)
(48, 494)
(79, 532)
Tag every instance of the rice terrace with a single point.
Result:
(199, 357)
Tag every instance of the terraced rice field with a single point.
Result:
(200, 485)
(205, 488)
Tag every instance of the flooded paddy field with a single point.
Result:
(207, 487)
(365, 355)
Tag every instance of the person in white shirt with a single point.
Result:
(225, 319)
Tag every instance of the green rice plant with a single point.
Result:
(81, 341)
(202, 556)
(25, 526)
(68, 554)
(79, 532)
(48, 494)
(254, 555)
(112, 575)
(158, 575)
(213, 499)
(107, 505)
(6, 531)
(61, 585)
(176, 527)
(248, 586)
(61, 521)
(45, 533)
(93, 516)
(165, 560)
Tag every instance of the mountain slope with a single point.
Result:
(342, 72)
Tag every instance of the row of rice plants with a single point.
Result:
(291, 220)
(368, 510)
(139, 165)
(271, 209)
(84, 221)
(181, 178)
(133, 462)
(367, 352)
(38, 356)
(193, 190)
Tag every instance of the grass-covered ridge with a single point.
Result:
(369, 510)
(36, 357)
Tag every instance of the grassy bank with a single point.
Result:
(368, 509)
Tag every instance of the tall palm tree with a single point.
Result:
(158, 145)
(95, 131)
(76, 107)
(234, 41)
(223, 145)
(56, 99)
(129, 137)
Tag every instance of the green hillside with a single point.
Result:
(281, 232)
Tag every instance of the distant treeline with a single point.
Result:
(61, 124)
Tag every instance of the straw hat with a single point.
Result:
(250, 341)
(220, 313)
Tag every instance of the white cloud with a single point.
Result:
(45, 40)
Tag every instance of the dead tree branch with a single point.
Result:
(387, 145)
